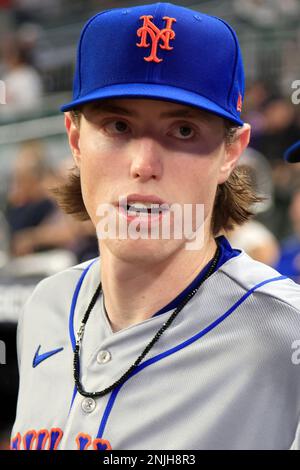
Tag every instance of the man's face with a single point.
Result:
(170, 152)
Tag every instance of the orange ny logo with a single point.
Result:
(156, 35)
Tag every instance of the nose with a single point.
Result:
(146, 161)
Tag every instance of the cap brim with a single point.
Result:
(292, 154)
(154, 91)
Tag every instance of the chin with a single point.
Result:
(142, 251)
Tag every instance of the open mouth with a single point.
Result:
(149, 209)
(146, 208)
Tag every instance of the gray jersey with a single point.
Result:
(225, 375)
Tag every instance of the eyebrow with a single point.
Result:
(114, 109)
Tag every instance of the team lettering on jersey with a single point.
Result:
(50, 440)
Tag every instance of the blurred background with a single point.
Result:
(37, 52)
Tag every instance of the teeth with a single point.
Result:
(143, 205)
(143, 208)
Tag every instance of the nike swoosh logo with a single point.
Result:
(38, 358)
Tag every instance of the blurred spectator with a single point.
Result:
(256, 97)
(283, 180)
(254, 237)
(34, 10)
(257, 241)
(36, 222)
(280, 129)
(266, 13)
(289, 261)
(28, 202)
(22, 81)
(62, 230)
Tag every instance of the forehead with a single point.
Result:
(136, 107)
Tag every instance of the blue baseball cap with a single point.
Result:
(160, 51)
(292, 154)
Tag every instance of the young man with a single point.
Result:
(173, 347)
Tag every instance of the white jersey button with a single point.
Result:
(103, 357)
(88, 405)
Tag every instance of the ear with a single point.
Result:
(233, 151)
(73, 132)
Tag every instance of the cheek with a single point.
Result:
(198, 178)
(97, 173)
(99, 157)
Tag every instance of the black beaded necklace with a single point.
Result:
(149, 346)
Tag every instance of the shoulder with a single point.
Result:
(274, 296)
(46, 313)
(255, 276)
(54, 293)
(64, 279)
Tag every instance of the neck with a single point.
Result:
(134, 293)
